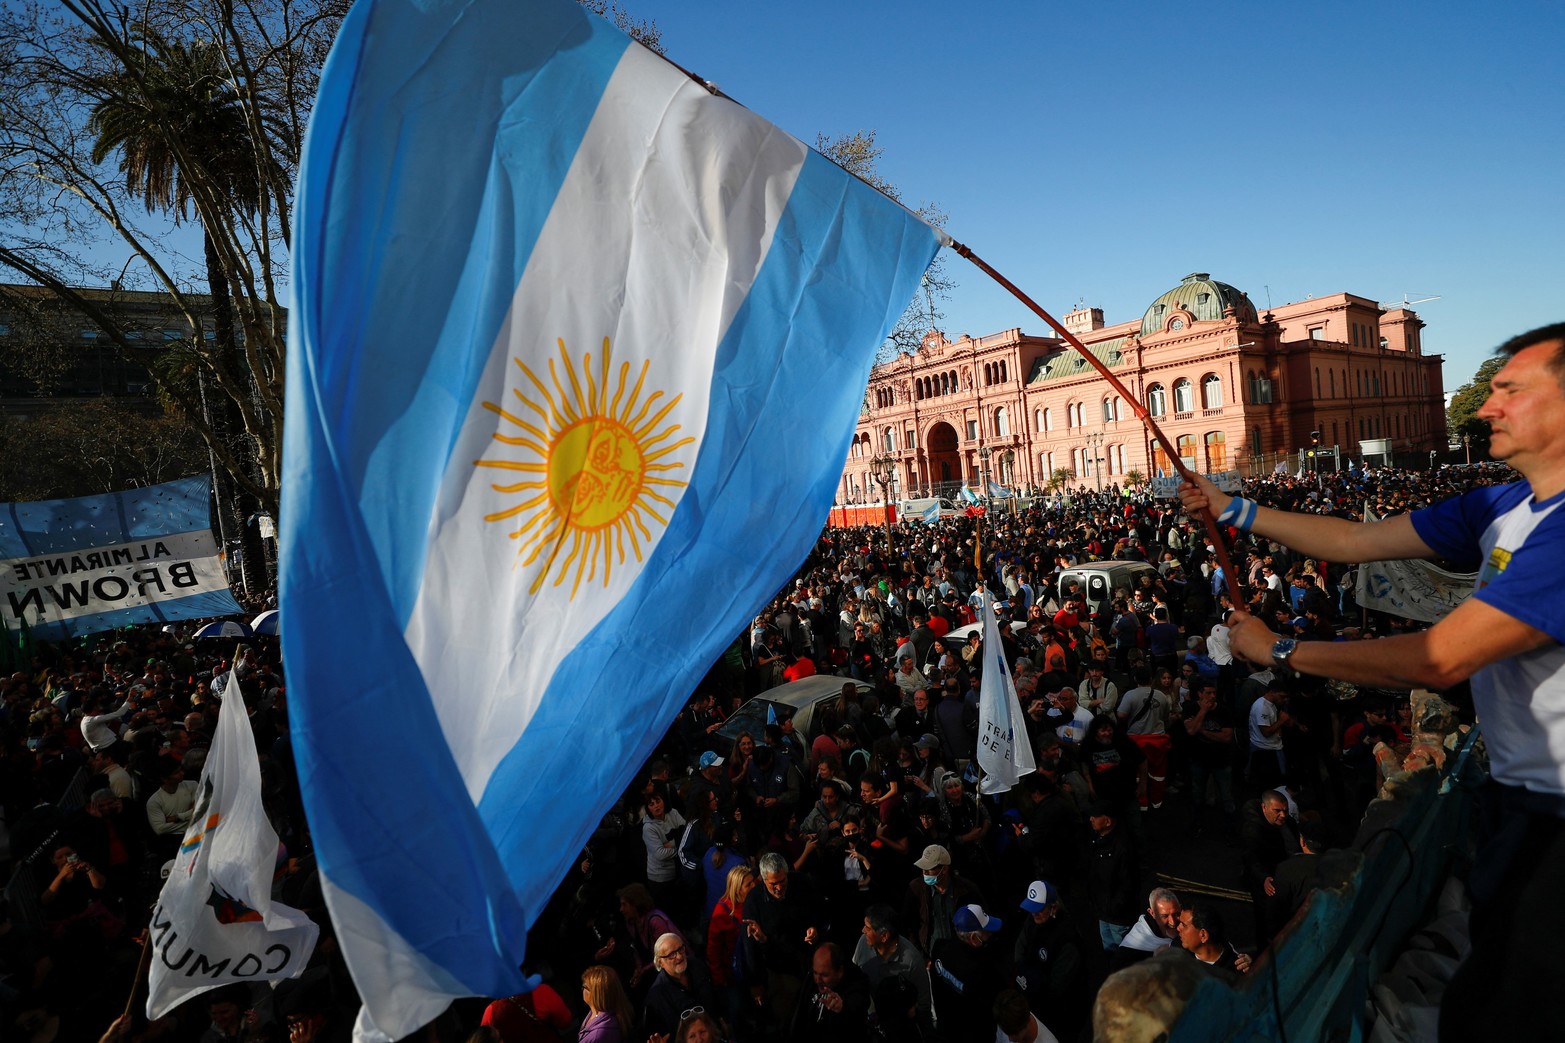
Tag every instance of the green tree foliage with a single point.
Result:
(83, 448)
(1134, 478)
(643, 31)
(1461, 415)
(858, 154)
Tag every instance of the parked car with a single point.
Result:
(801, 697)
(961, 634)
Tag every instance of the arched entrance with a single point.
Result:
(945, 459)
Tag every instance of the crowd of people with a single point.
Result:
(842, 881)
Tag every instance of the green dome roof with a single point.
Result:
(1203, 297)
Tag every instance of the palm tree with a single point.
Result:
(178, 122)
(180, 127)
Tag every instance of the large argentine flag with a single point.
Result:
(577, 349)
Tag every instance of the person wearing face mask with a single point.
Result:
(933, 899)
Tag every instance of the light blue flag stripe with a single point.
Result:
(57, 526)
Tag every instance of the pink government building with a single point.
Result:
(1231, 388)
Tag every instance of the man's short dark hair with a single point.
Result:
(1553, 331)
(1203, 917)
(834, 953)
(882, 917)
(1011, 1012)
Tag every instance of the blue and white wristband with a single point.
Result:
(1240, 513)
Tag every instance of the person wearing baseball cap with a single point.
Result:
(1050, 964)
(965, 974)
(937, 896)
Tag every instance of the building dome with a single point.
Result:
(1203, 297)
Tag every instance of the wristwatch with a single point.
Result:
(1282, 649)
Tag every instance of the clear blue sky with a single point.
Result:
(1105, 149)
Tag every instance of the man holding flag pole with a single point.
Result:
(1507, 639)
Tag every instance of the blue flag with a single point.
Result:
(147, 555)
(576, 352)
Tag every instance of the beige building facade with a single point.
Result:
(1233, 389)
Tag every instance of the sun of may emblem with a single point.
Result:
(595, 457)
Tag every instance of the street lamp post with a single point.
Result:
(1095, 447)
(984, 452)
(882, 469)
(1008, 474)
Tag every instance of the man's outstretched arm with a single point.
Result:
(1334, 539)
(1473, 636)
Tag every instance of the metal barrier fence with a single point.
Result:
(1320, 970)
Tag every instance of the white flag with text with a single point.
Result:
(1000, 723)
(215, 922)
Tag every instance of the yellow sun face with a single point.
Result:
(597, 460)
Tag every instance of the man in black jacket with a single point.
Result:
(837, 1011)
(1113, 875)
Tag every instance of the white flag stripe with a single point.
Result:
(587, 261)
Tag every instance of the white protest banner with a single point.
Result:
(215, 921)
(1412, 589)
(1167, 485)
(1000, 722)
(72, 567)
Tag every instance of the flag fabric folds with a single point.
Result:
(91, 563)
(1412, 589)
(215, 922)
(576, 352)
(1004, 752)
(967, 495)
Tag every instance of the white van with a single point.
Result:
(1103, 581)
(927, 508)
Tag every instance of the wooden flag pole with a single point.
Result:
(1136, 405)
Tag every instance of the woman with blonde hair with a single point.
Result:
(609, 1016)
(722, 936)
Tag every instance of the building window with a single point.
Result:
(1037, 420)
(1184, 396)
(1048, 419)
(1317, 333)
(972, 430)
(911, 442)
(1108, 410)
(1212, 391)
(1160, 464)
(1002, 423)
(1157, 401)
(1216, 451)
(1186, 447)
